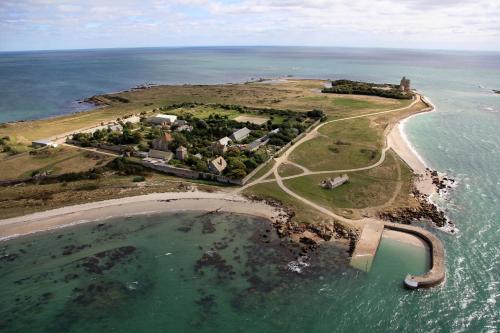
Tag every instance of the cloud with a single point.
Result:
(386, 23)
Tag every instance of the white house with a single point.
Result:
(162, 119)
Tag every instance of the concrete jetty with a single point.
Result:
(367, 245)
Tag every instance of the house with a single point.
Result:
(163, 141)
(221, 145)
(335, 182)
(161, 155)
(162, 119)
(240, 134)
(181, 153)
(43, 143)
(217, 165)
(198, 156)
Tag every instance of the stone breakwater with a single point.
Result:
(437, 273)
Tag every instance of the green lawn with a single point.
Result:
(341, 145)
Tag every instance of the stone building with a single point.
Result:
(163, 141)
(181, 153)
(332, 183)
(405, 84)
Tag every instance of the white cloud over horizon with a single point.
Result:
(69, 24)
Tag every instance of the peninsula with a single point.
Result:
(323, 161)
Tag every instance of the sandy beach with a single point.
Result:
(397, 140)
(144, 204)
(404, 237)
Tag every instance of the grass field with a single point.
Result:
(54, 160)
(369, 188)
(350, 144)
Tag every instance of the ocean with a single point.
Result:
(144, 291)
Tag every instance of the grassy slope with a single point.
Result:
(56, 161)
(368, 188)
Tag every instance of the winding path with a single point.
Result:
(373, 233)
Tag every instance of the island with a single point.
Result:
(323, 160)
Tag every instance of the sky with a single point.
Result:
(79, 24)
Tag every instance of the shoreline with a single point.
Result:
(137, 205)
(398, 140)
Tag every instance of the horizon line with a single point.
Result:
(248, 46)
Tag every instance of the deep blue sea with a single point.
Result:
(461, 139)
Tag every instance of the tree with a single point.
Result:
(236, 169)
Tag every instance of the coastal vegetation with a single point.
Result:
(368, 89)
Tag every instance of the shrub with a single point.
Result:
(138, 179)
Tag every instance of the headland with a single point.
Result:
(284, 140)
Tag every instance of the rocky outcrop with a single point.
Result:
(308, 235)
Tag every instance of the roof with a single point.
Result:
(132, 119)
(240, 134)
(43, 142)
(256, 144)
(181, 148)
(219, 163)
(167, 155)
(167, 137)
(163, 117)
(224, 141)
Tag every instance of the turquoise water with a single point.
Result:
(194, 273)
(462, 139)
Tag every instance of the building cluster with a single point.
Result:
(161, 146)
